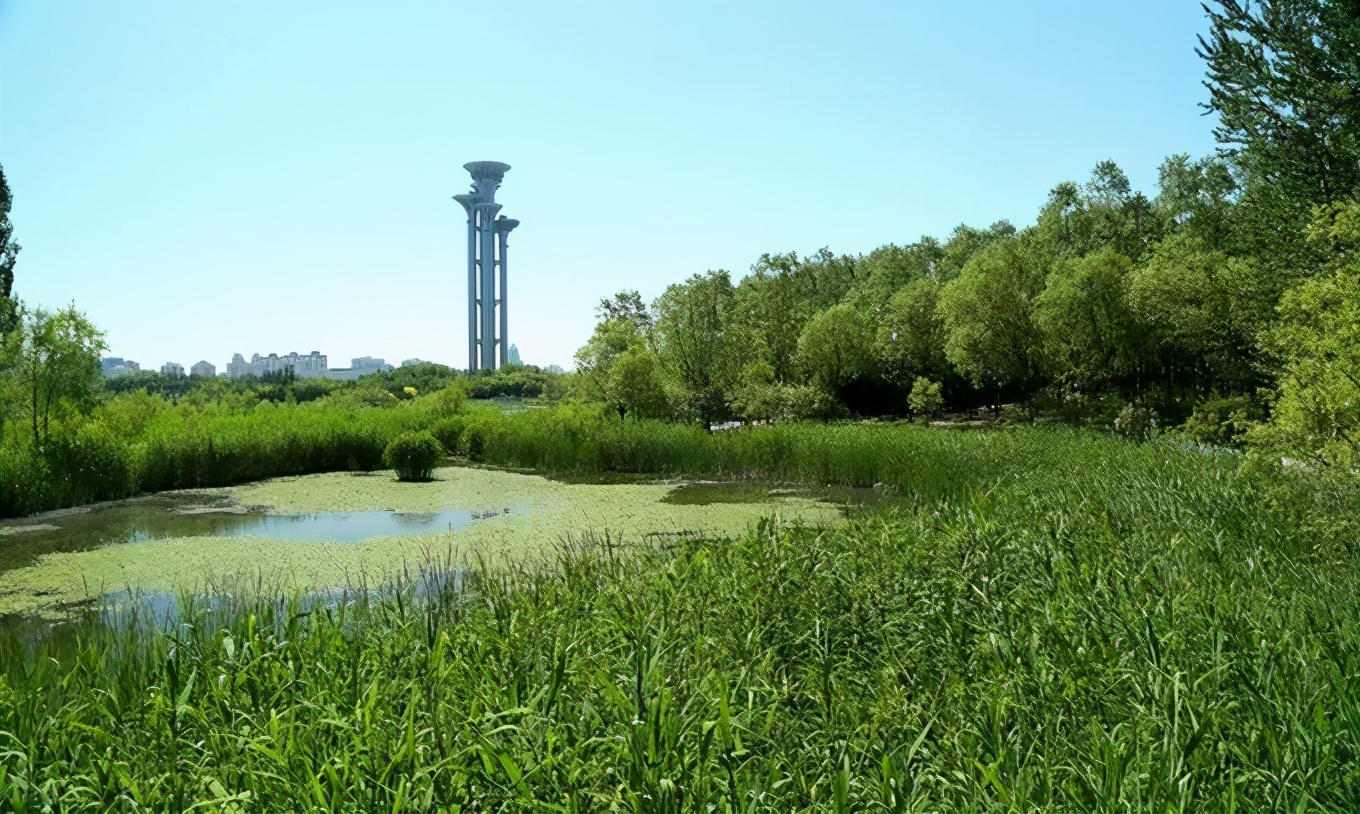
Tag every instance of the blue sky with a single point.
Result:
(206, 178)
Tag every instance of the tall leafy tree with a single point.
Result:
(991, 338)
(1284, 79)
(692, 340)
(1104, 213)
(1197, 196)
(884, 271)
(911, 334)
(836, 348)
(625, 306)
(1084, 324)
(596, 358)
(636, 385)
(56, 365)
(1203, 310)
(1316, 345)
(9, 253)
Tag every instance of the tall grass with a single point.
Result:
(187, 448)
(1104, 626)
(923, 461)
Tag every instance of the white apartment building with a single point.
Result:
(312, 365)
(172, 369)
(203, 369)
(362, 366)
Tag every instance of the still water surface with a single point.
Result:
(160, 517)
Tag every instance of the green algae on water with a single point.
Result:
(546, 513)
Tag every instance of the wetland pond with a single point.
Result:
(325, 532)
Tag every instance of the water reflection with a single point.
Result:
(160, 517)
(165, 609)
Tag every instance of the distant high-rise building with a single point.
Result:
(555, 369)
(361, 366)
(512, 358)
(113, 366)
(203, 369)
(310, 366)
(172, 369)
(412, 362)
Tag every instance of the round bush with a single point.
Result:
(413, 455)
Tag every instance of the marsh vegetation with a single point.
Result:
(1064, 619)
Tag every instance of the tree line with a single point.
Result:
(1227, 301)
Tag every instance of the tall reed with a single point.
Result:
(1104, 626)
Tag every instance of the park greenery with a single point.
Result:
(1124, 575)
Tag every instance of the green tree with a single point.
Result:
(774, 302)
(1104, 213)
(884, 271)
(1316, 416)
(595, 359)
(1202, 312)
(926, 398)
(1197, 196)
(625, 306)
(1086, 329)
(991, 338)
(1283, 80)
(757, 397)
(965, 242)
(1316, 342)
(56, 364)
(636, 386)
(911, 333)
(836, 348)
(691, 336)
(9, 254)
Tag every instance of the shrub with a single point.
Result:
(1222, 420)
(926, 399)
(473, 442)
(805, 402)
(449, 401)
(449, 432)
(413, 455)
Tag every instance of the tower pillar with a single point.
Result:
(488, 319)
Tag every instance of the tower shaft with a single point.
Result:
(488, 319)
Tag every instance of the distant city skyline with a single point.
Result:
(195, 175)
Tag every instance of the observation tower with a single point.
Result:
(488, 324)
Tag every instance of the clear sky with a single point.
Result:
(206, 178)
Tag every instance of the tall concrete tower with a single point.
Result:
(488, 343)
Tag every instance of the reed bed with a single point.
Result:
(185, 449)
(1059, 621)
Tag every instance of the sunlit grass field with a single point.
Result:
(1046, 618)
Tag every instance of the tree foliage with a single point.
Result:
(836, 348)
(692, 339)
(9, 254)
(55, 361)
(1285, 83)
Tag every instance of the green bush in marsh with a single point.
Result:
(413, 455)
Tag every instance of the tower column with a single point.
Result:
(503, 227)
(469, 203)
(486, 254)
(486, 214)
